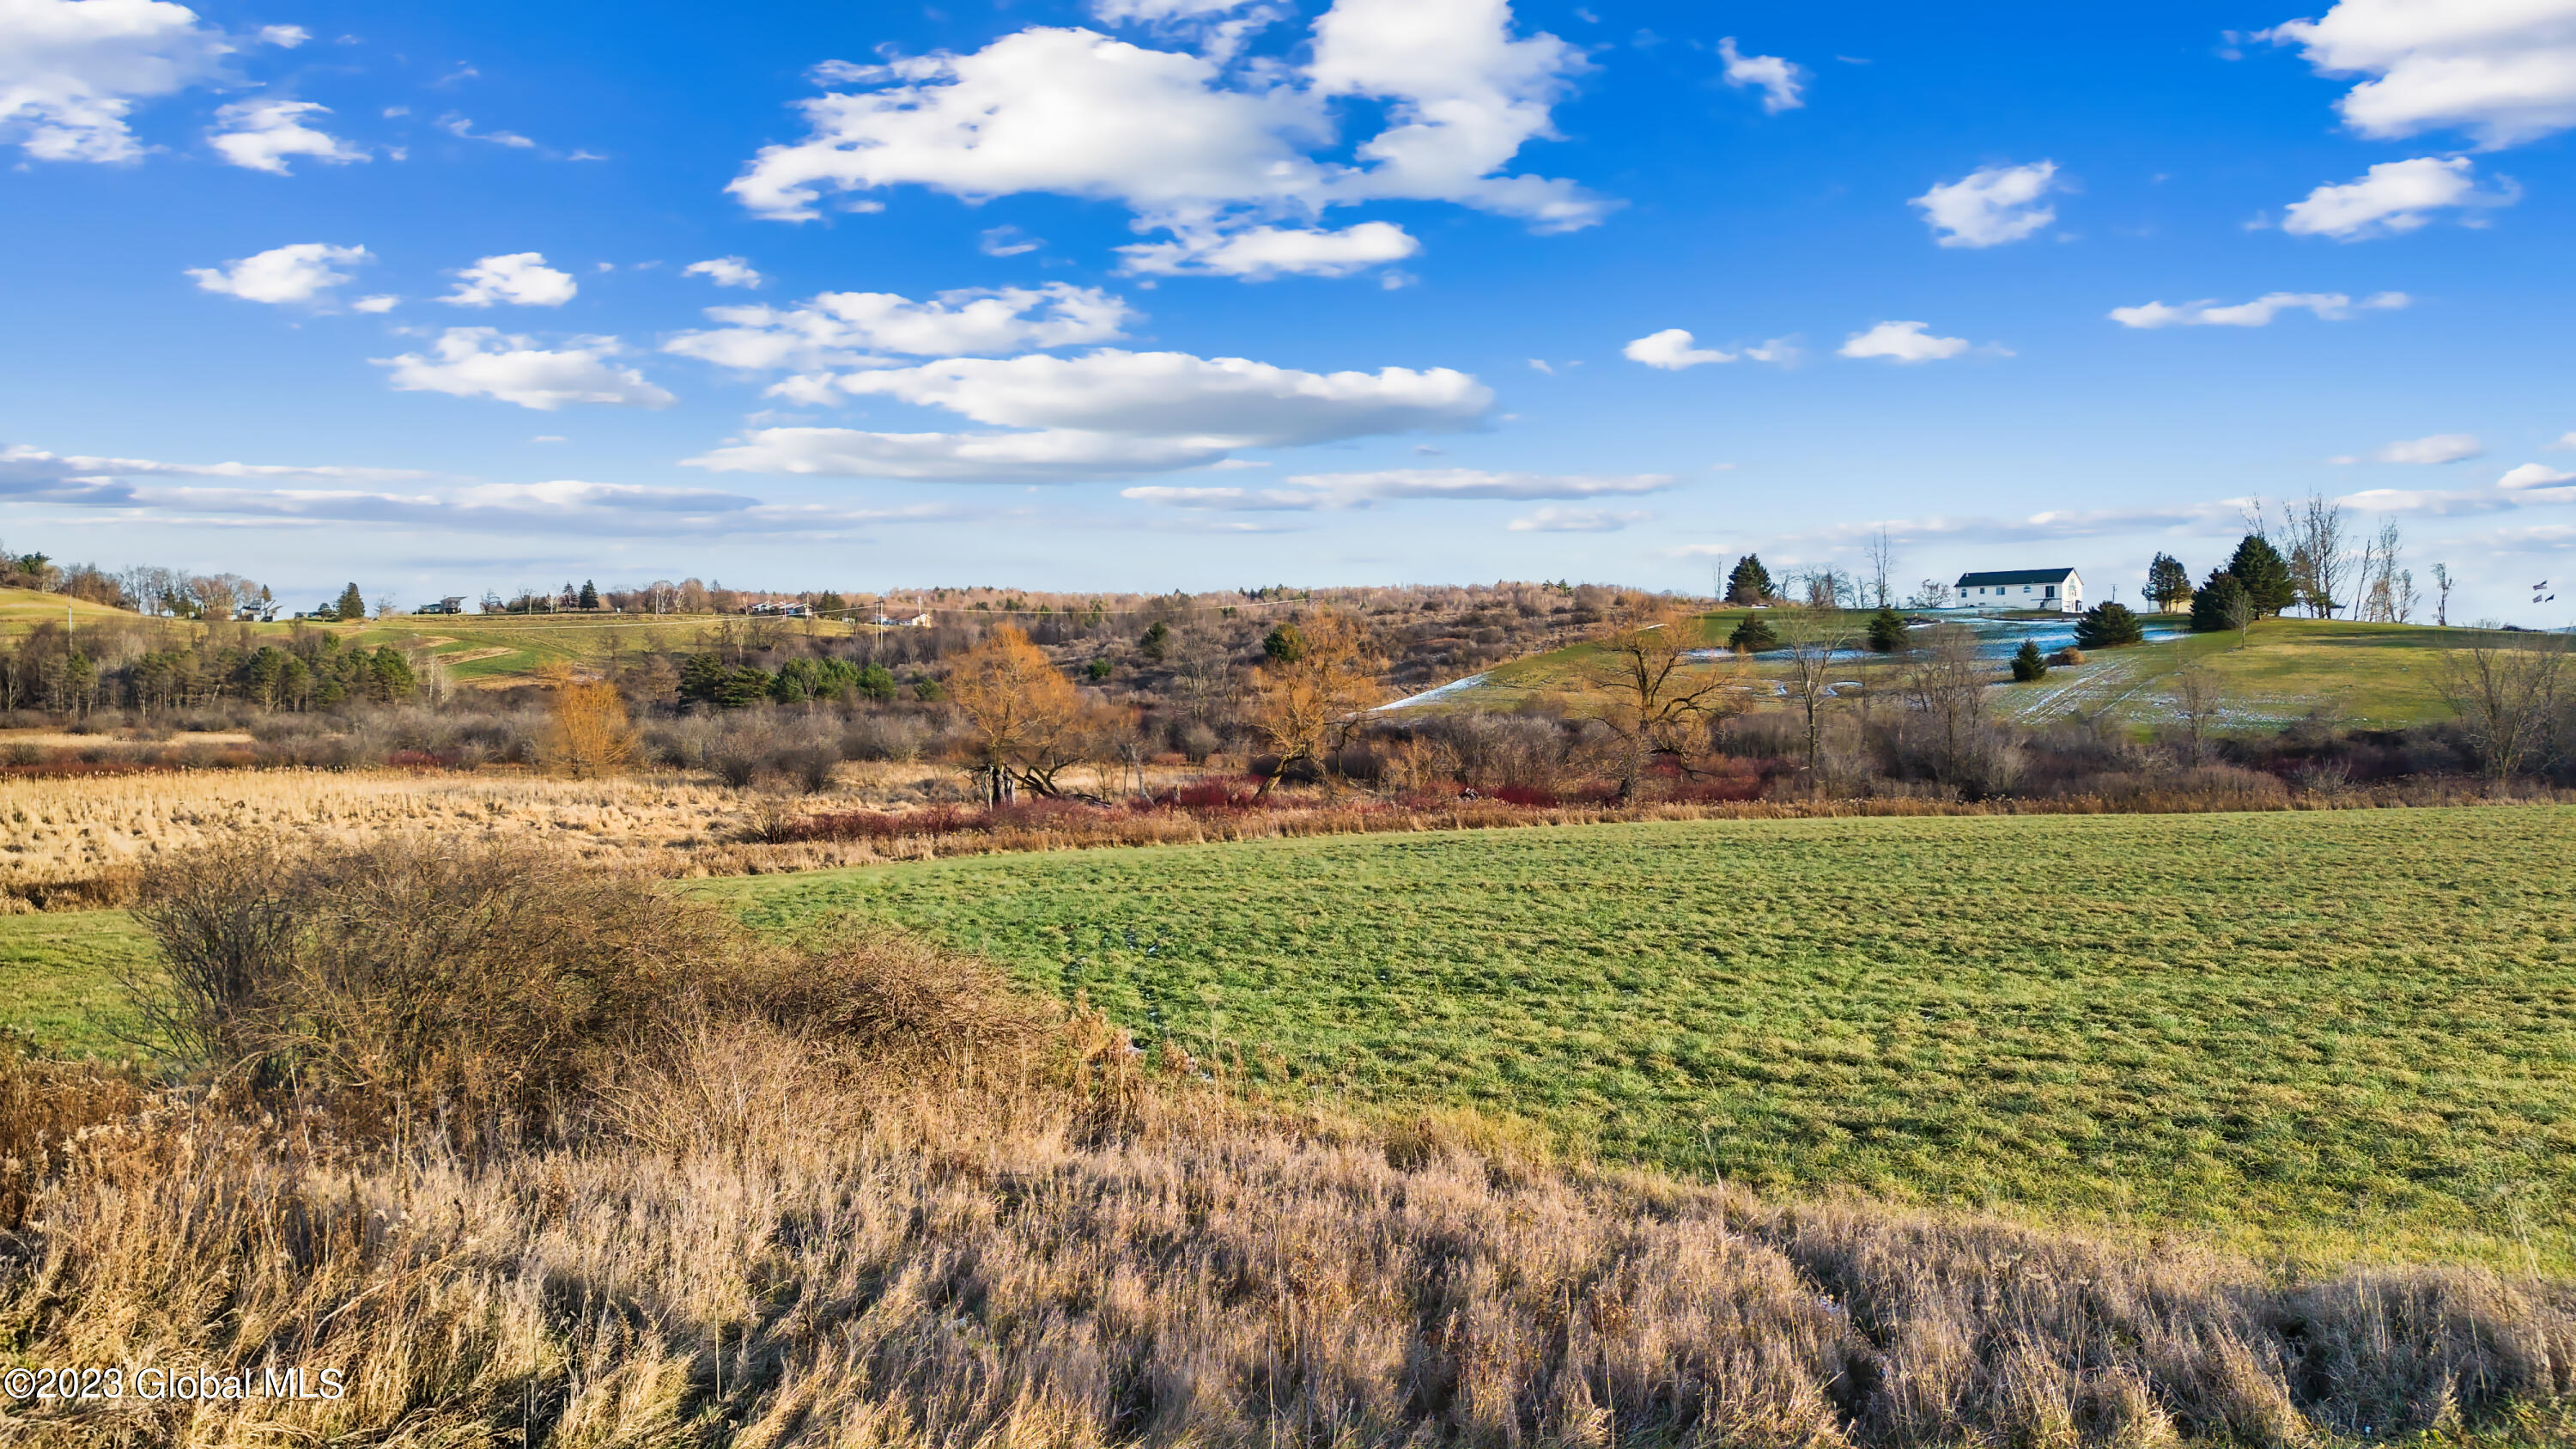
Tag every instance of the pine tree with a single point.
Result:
(589, 595)
(2213, 604)
(1284, 645)
(1749, 582)
(1887, 631)
(352, 605)
(1157, 641)
(2107, 626)
(1752, 636)
(2028, 665)
(2264, 573)
(2168, 583)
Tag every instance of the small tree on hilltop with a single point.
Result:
(2027, 663)
(1887, 631)
(2108, 626)
(589, 595)
(2213, 604)
(2266, 576)
(1753, 636)
(2168, 583)
(352, 605)
(1748, 582)
(1308, 705)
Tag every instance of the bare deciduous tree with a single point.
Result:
(2316, 530)
(2505, 691)
(1882, 570)
(2198, 699)
(1651, 693)
(1811, 638)
(2442, 595)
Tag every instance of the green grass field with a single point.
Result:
(2330, 1034)
(2326, 1035)
(59, 975)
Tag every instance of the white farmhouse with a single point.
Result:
(2059, 591)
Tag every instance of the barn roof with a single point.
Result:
(2014, 576)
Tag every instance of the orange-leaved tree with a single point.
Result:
(1315, 687)
(1026, 723)
(587, 735)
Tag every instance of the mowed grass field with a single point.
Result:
(2326, 1034)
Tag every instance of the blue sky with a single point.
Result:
(1172, 293)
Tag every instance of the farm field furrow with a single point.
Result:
(2333, 1033)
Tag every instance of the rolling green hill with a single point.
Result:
(476, 648)
(2287, 669)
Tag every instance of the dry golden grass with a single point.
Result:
(757, 1242)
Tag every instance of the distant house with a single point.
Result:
(2058, 591)
(888, 621)
(452, 604)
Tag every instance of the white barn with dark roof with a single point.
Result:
(2056, 590)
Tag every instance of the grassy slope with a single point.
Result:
(2381, 674)
(2331, 1033)
(528, 643)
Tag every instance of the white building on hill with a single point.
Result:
(2059, 591)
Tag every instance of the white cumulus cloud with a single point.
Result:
(1902, 342)
(72, 70)
(1991, 205)
(1672, 350)
(262, 134)
(297, 273)
(2504, 71)
(2534, 475)
(2328, 306)
(1104, 413)
(1191, 143)
(725, 272)
(1259, 253)
(520, 278)
(485, 362)
(1777, 79)
(2392, 197)
(854, 329)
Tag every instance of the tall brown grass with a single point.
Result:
(868, 1200)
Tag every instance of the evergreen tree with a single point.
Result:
(2028, 665)
(589, 595)
(1887, 631)
(1156, 642)
(1284, 645)
(2213, 604)
(1749, 582)
(351, 606)
(1752, 636)
(2168, 583)
(876, 682)
(2265, 575)
(2107, 626)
